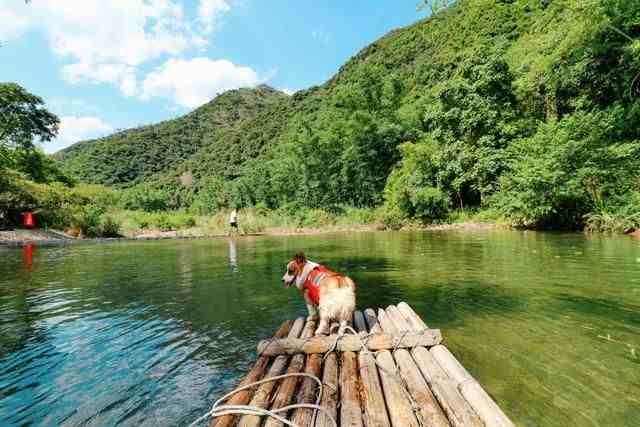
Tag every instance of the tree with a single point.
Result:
(23, 118)
(434, 6)
(569, 168)
(468, 120)
(39, 167)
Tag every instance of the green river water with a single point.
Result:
(150, 333)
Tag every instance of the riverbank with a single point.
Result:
(21, 237)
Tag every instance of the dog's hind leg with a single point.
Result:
(325, 321)
(311, 307)
(323, 327)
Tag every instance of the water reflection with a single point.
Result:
(151, 333)
(233, 255)
(27, 256)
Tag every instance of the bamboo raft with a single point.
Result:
(403, 377)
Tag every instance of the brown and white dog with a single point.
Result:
(329, 294)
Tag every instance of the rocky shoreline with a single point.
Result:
(21, 237)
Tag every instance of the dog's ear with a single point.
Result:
(300, 258)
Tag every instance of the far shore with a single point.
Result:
(19, 237)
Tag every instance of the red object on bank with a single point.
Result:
(28, 220)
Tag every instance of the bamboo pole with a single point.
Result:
(285, 392)
(256, 374)
(455, 406)
(372, 321)
(430, 411)
(415, 321)
(486, 408)
(374, 342)
(350, 407)
(359, 324)
(261, 397)
(375, 412)
(479, 399)
(397, 399)
(308, 391)
(330, 394)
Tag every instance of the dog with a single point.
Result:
(328, 295)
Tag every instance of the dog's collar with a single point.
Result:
(308, 268)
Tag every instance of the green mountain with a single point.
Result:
(135, 155)
(527, 107)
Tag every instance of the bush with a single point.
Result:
(290, 209)
(262, 209)
(164, 223)
(144, 198)
(88, 219)
(182, 220)
(430, 204)
(360, 215)
(212, 196)
(623, 217)
(568, 169)
(98, 195)
(391, 218)
(142, 220)
(110, 227)
(314, 218)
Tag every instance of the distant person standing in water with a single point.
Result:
(233, 221)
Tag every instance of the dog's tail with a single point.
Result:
(346, 282)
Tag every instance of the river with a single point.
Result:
(150, 333)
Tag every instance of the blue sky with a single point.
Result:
(103, 65)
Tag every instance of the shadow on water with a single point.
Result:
(609, 309)
(452, 302)
(380, 284)
(165, 327)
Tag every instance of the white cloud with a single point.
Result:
(191, 83)
(14, 23)
(209, 12)
(105, 41)
(74, 129)
(288, 91)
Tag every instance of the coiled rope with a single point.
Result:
(219, 411)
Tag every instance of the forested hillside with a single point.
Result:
(527, 109)
(134, 155)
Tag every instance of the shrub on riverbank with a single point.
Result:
(582, 166)
(252, 220)
(622, 217)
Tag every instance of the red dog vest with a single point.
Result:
(312, 283)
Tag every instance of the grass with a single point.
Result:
(476, 215)
(304, 220)
(251, 220)
(613, 222)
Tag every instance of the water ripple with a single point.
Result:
(151, 333)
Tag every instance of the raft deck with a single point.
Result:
(403, 377)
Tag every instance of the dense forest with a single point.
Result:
(524, 110)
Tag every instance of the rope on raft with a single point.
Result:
(219, 411)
